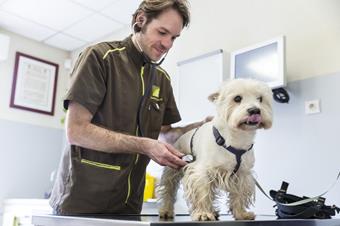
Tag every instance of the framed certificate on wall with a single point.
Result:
(34, 84)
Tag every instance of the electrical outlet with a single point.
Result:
(312, 107)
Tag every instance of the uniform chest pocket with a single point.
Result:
(155, 111)
(156, 104)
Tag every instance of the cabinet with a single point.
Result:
(19, 211)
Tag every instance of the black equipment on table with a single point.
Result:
(289, 206)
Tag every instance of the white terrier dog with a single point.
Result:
(223, 154)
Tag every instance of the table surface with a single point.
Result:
(154, 220)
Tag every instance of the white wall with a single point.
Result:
(311, 28)
(31, 143)
(301, 149)
(36, 49)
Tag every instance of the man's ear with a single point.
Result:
(141, 19)
(213, 97)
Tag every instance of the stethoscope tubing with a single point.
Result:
(153, 66)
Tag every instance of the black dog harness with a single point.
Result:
(221, 142)
(237, 152)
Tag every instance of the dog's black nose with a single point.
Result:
(254, 111)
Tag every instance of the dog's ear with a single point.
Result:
(213, 97)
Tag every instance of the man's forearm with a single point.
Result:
(101, 139)
(80, 131)
(96, 138)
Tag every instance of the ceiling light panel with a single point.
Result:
(23, 27)
(95, 5)
(54, 14)
(65, 42)
(93, 28)
(122, 10)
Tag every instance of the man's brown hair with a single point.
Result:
(153, 8)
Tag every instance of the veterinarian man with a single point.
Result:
(118, 103)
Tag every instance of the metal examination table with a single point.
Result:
(179, 220)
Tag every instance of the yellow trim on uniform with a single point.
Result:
(156, 99)
(166, 75)
(137, 157)
(129, 180)
(112, 50)
(129, 187)
(142, 79)
(101, 165)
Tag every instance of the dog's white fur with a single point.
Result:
(212, 171)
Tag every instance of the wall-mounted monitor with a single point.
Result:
(263, 61)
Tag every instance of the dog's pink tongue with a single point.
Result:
(256, 118)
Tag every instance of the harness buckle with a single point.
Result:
(220, 140)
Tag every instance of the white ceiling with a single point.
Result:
(66, 24)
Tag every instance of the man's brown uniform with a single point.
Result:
(109, 80)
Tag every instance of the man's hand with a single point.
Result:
(163, 153)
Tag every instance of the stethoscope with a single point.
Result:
(145, 57)
(153, 66)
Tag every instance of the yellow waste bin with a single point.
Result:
(149, 190)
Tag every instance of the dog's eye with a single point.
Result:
(238, 99)
(260, 99)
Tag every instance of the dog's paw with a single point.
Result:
(204, 216)
(217, 215)
(166, 214)
(244, 216)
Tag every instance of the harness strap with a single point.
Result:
(192, 141)
(237, 152)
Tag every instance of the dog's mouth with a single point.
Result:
(254, 120)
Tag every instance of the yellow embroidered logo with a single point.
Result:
(155, 91)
